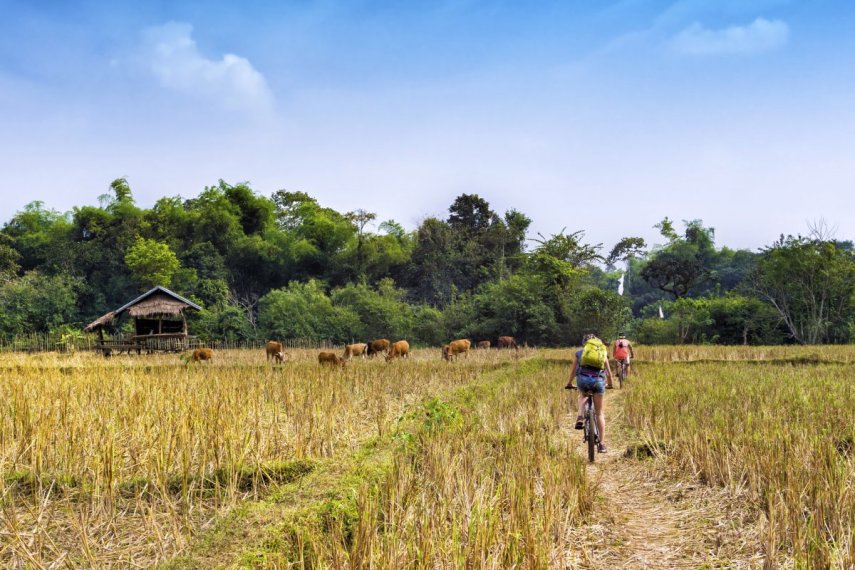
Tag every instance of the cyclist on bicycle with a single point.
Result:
(592, 380)
(622, 352)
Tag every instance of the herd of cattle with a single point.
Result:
(390, 350)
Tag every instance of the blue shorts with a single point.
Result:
(593, 384)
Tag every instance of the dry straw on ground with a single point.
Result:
(741, 457)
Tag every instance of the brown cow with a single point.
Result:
(483, 344)
(378, 346)
(400, 349)
(276, 351)
(201, 354)
(455, 347)
(351, 350)
(331, 359)
(507, 342)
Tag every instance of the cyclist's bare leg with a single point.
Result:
(599, 403)
(582, 399)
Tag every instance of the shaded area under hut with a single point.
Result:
(159, 324)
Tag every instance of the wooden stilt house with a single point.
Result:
(159, 323)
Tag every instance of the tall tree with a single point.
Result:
(432, 273)
(682, 265)
(8, 258)
(360, 218)
(810, 283)
(317, 236)
(39, 236)
(152, 262)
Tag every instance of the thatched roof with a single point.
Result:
(158, 302)
(101, 321)
(158, 305)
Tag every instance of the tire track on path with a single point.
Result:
(643, 519)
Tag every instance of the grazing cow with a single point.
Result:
(352, 350)
(483, 344)
(331, 359)
(455, 347)
(378, 346)
(276, 351)
(507, 342)
(201, 354)
(400, 349)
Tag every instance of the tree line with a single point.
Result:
(285, 266)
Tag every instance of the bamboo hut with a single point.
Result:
(159, 323)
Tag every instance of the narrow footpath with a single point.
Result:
(646, 519)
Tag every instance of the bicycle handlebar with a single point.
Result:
(584, 393)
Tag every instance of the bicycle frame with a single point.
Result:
(591, 433)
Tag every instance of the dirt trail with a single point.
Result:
(646, 520)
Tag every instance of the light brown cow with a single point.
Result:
(378, 346)
(351, 350)
(275, 350)
(400, 349)
(331, 359)
(507, 342)
(483, 344)
(201, 354)
(454, 348)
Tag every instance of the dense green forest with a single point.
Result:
(285, 266)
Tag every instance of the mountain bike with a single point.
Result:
(590, 431)
(621, 372)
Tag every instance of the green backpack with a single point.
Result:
(593, 354)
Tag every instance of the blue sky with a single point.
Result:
(593, 115)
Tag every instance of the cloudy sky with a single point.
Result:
(592, 115)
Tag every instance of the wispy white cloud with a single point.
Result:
(172, 56)
(682, 11)
(760, 36)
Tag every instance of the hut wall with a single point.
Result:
(152, 326)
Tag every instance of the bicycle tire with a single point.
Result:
(591, 423)
(621, 374)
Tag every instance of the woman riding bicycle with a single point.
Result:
(622, 352)
(595, 380)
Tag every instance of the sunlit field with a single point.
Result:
(779, 432)
(137, 461)
(487, 479)
(120, 461)
(767, 354)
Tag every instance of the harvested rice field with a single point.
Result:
(719, 458)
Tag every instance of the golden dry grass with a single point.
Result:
(484, 479)
(119, 462)
(777, 435)
(419, 463)
(767, 354)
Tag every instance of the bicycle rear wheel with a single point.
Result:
(591, 432)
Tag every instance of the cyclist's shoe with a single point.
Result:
(579, 422)
(569, 386)
(602, 448)
(610, 387)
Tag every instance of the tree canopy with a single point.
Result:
(286, 265)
